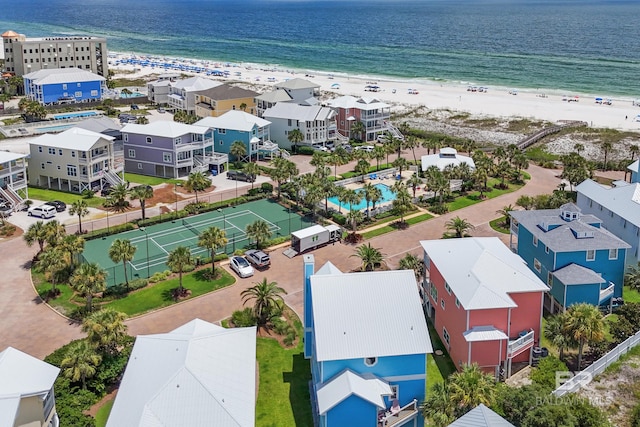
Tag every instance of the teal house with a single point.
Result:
(572, 253)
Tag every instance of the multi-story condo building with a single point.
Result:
(24, 55)
(372, 113)
(216, 101)
(317, 124)
(61, 86)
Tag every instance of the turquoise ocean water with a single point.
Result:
(590, 46)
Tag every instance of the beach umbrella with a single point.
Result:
(598, 99)
(335, 86)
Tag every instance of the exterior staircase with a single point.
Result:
(200, 164)
(394, 131)
(15, 201)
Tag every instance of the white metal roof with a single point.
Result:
(296, 83)
(62, 75)
(482, 271)
(309, 231)
(8, 410)
(278, 95)
(24, 375)
(8, 156)
(100, 124)
(442, 162)
(194, 84)
(623, 201)
(369, 314)
(635, 166)
(199, 374)
(481, 416)
(303, 113)
(363, 103)
(234, 120)
(484, 333)
(72, 139)
(347, 384)
(328, 268)
(164, 128)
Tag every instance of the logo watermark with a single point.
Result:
(572, 380)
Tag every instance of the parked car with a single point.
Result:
(60, 206)
(42, 211)
(134, 107)
(241, 266)
(259, 259)
(161, 110)
(106, 190)
(367, 148)
(240, 176)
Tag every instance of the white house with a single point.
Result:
(269, 99)
(447, 156)
(300, 90)
(199, 374)
(13, 180)
(317, 124)
(182, 93)
(26, 391)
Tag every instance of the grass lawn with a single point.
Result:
(498, 225)
(630, 295)
(103, 413)
(438, 367)
(283, 396)
(68, 198)
(473, 198)
(389, 228)
(149, 180)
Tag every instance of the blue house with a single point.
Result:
(578, 259)
(237, 125)
(63, 85)
(367, 338)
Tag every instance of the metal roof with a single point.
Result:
(100, 124)
(164, 129)
(481, 416)
(635, 166)
(24, 375)
(328, 268)
(62, 75)
(623, 201)
(347, 384)
(234, 120)
(484, 333)
(442, 162)
(303, 113)
(369, 314)
(194, 84)
(199, 374)
(71, 139)
(279, 95)
(8, 156)
(226, 91)
(296, 83)
(574, 274)
(481, 271)
(363, 103)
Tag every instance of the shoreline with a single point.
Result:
(495, 102)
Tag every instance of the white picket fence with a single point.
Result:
(585, 376)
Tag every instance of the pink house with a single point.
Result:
(484, 301)
(371, 112)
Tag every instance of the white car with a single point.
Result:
(42, 211)
(241, 266)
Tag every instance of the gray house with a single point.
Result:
(168, 149)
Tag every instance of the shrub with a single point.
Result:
(280, 326)
(194, 208)
(267, 187)
(162, 218)
(254, 191)
(277, 241)
(239, 252)
(290, 338)
(545, 373)
(635, 416)
(243, 318)
(439, 209)
(339, 219)
(108, 232)
(159, 276)
(306, 151)
(121, 288)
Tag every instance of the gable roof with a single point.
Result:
(234, 120)
(347, 384)
(362, 103)
(279, 95)
(574, 274)
(296, 83)
(635, 166)
(198, 374)
(623, 201)
(227, 91)
(72, 139)
(8, 156)
(481, 416)
(328, 268)
(194, 84)
(24, 375)
(62, 75)
(482, 271)
(369, 314)
(303, 113)
(100, 124)
(164, 129)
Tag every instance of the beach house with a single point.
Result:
(572, 253)
(481, 416)
(445, 157)
(300, 90)
(23, 55)
(26, 391)
(13, 181)
(218, 100)
(199, 374)
(182, 93)
(63, 86)
(269, 99)
(169, 149)
(367, 338)
(619, 210)
(316, 123)
(484, 302)
(237, 125)
(371, 112)
(74, 160)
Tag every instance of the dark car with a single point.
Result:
(60, 206)
(106, 190)
(240, 176)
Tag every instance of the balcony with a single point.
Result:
(517, 346)
(407, 413)
(606, 292)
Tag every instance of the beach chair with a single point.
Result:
(395, 407)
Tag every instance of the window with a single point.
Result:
(60, 151)
(535, 241)
(78, 85)
(94, 93)
(222, 131)
(394, 391)
(546, 249)
(447, 288)
(149, 140)
(41, 165)
(537, 265)
(549, 278)
(39, 149)
(442, 303)
(611, 214)
(370, 361)
(73, 154)
(221, 142)
(591, 255)
(64, 86)
(613, 253)
(434, 293)
(125, 137)
(445, 335)
(72, 170)
(139, 165)
(590, 203)
(132, 154)
(52, 151)
(166, 157)
(78, 94)
(457, 303)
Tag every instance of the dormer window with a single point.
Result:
(370, 361)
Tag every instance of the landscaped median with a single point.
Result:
(390, 227)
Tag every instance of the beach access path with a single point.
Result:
(35, 328)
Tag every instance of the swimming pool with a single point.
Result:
(58, 128)
(75, 115)
(131, 95)
(387, 196)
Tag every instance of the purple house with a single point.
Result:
(169, 149)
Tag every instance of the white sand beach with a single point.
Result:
(403, 94)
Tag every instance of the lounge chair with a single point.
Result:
(395, 407)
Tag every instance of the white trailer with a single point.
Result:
(314, 236)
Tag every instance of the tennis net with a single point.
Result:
(191, 228)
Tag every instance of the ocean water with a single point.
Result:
(583, 46)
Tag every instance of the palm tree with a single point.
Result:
(117, 198)
(402, 202)
(555, 331)
(52, 262)
(178, 261)
(362, 167)
(238, 150)
(37, 232)
(4, 98)
(634, 149)
(459, 226)
(267, 300)
(414, 182)
(606, 149)
(378, 153)
(336, 159)
(579, 148)
(55, 232)
(212, 238)
(105, 329)
(252, 169)
(80, 362)
(295, 137)
(354, 217)
(400, 163)
(142, 193)
(505, 213)
(70, 246)
(471, 387)
(87, 280)
(259, 231)
(437, 408)
(412, 262)
(121, 250)
(368, 191)
(357, 129)
(352, 197)
(585, 325)
(243, 106)
(412, 143)
(79, 207)
(283, 170)
(142, 120)
(370, 257)
(197, 182)
(632, 277)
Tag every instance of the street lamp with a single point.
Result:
(144, 230)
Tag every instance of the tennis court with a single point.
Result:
(155, 242)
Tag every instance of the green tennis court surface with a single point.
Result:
(154, 242)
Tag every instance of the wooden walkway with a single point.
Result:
(562, 124)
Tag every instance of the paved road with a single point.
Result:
(36, 329)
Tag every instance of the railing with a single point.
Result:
(514, 347)
(531, 139)
(607, 292)
(407, 411)
(342, 182)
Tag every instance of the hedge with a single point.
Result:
(109, 231)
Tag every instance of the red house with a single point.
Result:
(484, 301)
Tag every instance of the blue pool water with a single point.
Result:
(387, 196)
(131, 95)
(74, 115)
(58, 128)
